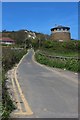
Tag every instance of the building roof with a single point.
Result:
(59, 27)
(6, 39)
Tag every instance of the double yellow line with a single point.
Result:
(20, 93)
(16, 95)
(27, 108)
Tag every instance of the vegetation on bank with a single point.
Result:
(9, 58)
(7, 104)
(21, 37)
(0, 82)
(61, 48)
(54, 48)
(45, 46)
(68, 64)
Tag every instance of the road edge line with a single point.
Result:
(16, 95)
(26, 105)
(50, 69)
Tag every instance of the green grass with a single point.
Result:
(69, 64)
(55, 48)
(66, 53)
(0, 86)
(9, 58)
(0, 109)
(7, 104)
(63, 49)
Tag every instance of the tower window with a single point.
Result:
(54, 30)
(66, 30)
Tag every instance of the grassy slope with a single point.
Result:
(0, 80)
(60, 53)
(65, 49)
(69, 64)
(9, 59)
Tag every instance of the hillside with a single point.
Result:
(21, 35)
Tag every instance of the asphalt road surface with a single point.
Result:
(51, 93)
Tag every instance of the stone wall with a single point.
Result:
(65, 36)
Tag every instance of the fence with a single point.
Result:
(59, 57)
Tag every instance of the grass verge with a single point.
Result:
(9, 58)
(68, 64)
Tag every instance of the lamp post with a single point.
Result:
(25, 39)
(39, 42)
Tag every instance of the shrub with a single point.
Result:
(9, 59)
(69, 64)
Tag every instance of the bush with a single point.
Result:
(66, 46)
(72, 64)
(9, 59)
(69, 64)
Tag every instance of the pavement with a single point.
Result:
(44, 92)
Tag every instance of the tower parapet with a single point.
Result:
(60, 33)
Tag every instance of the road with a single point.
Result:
(50, 93)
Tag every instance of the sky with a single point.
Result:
(40, 16)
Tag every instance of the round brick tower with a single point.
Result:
(60, 33)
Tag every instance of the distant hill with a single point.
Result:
(20, 35)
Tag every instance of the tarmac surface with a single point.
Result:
(49, 92)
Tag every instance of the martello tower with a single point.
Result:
(60, 33)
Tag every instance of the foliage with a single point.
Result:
(9, 58)
(21, 38)
(55, 45)
(7, 103)
(69, 64)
